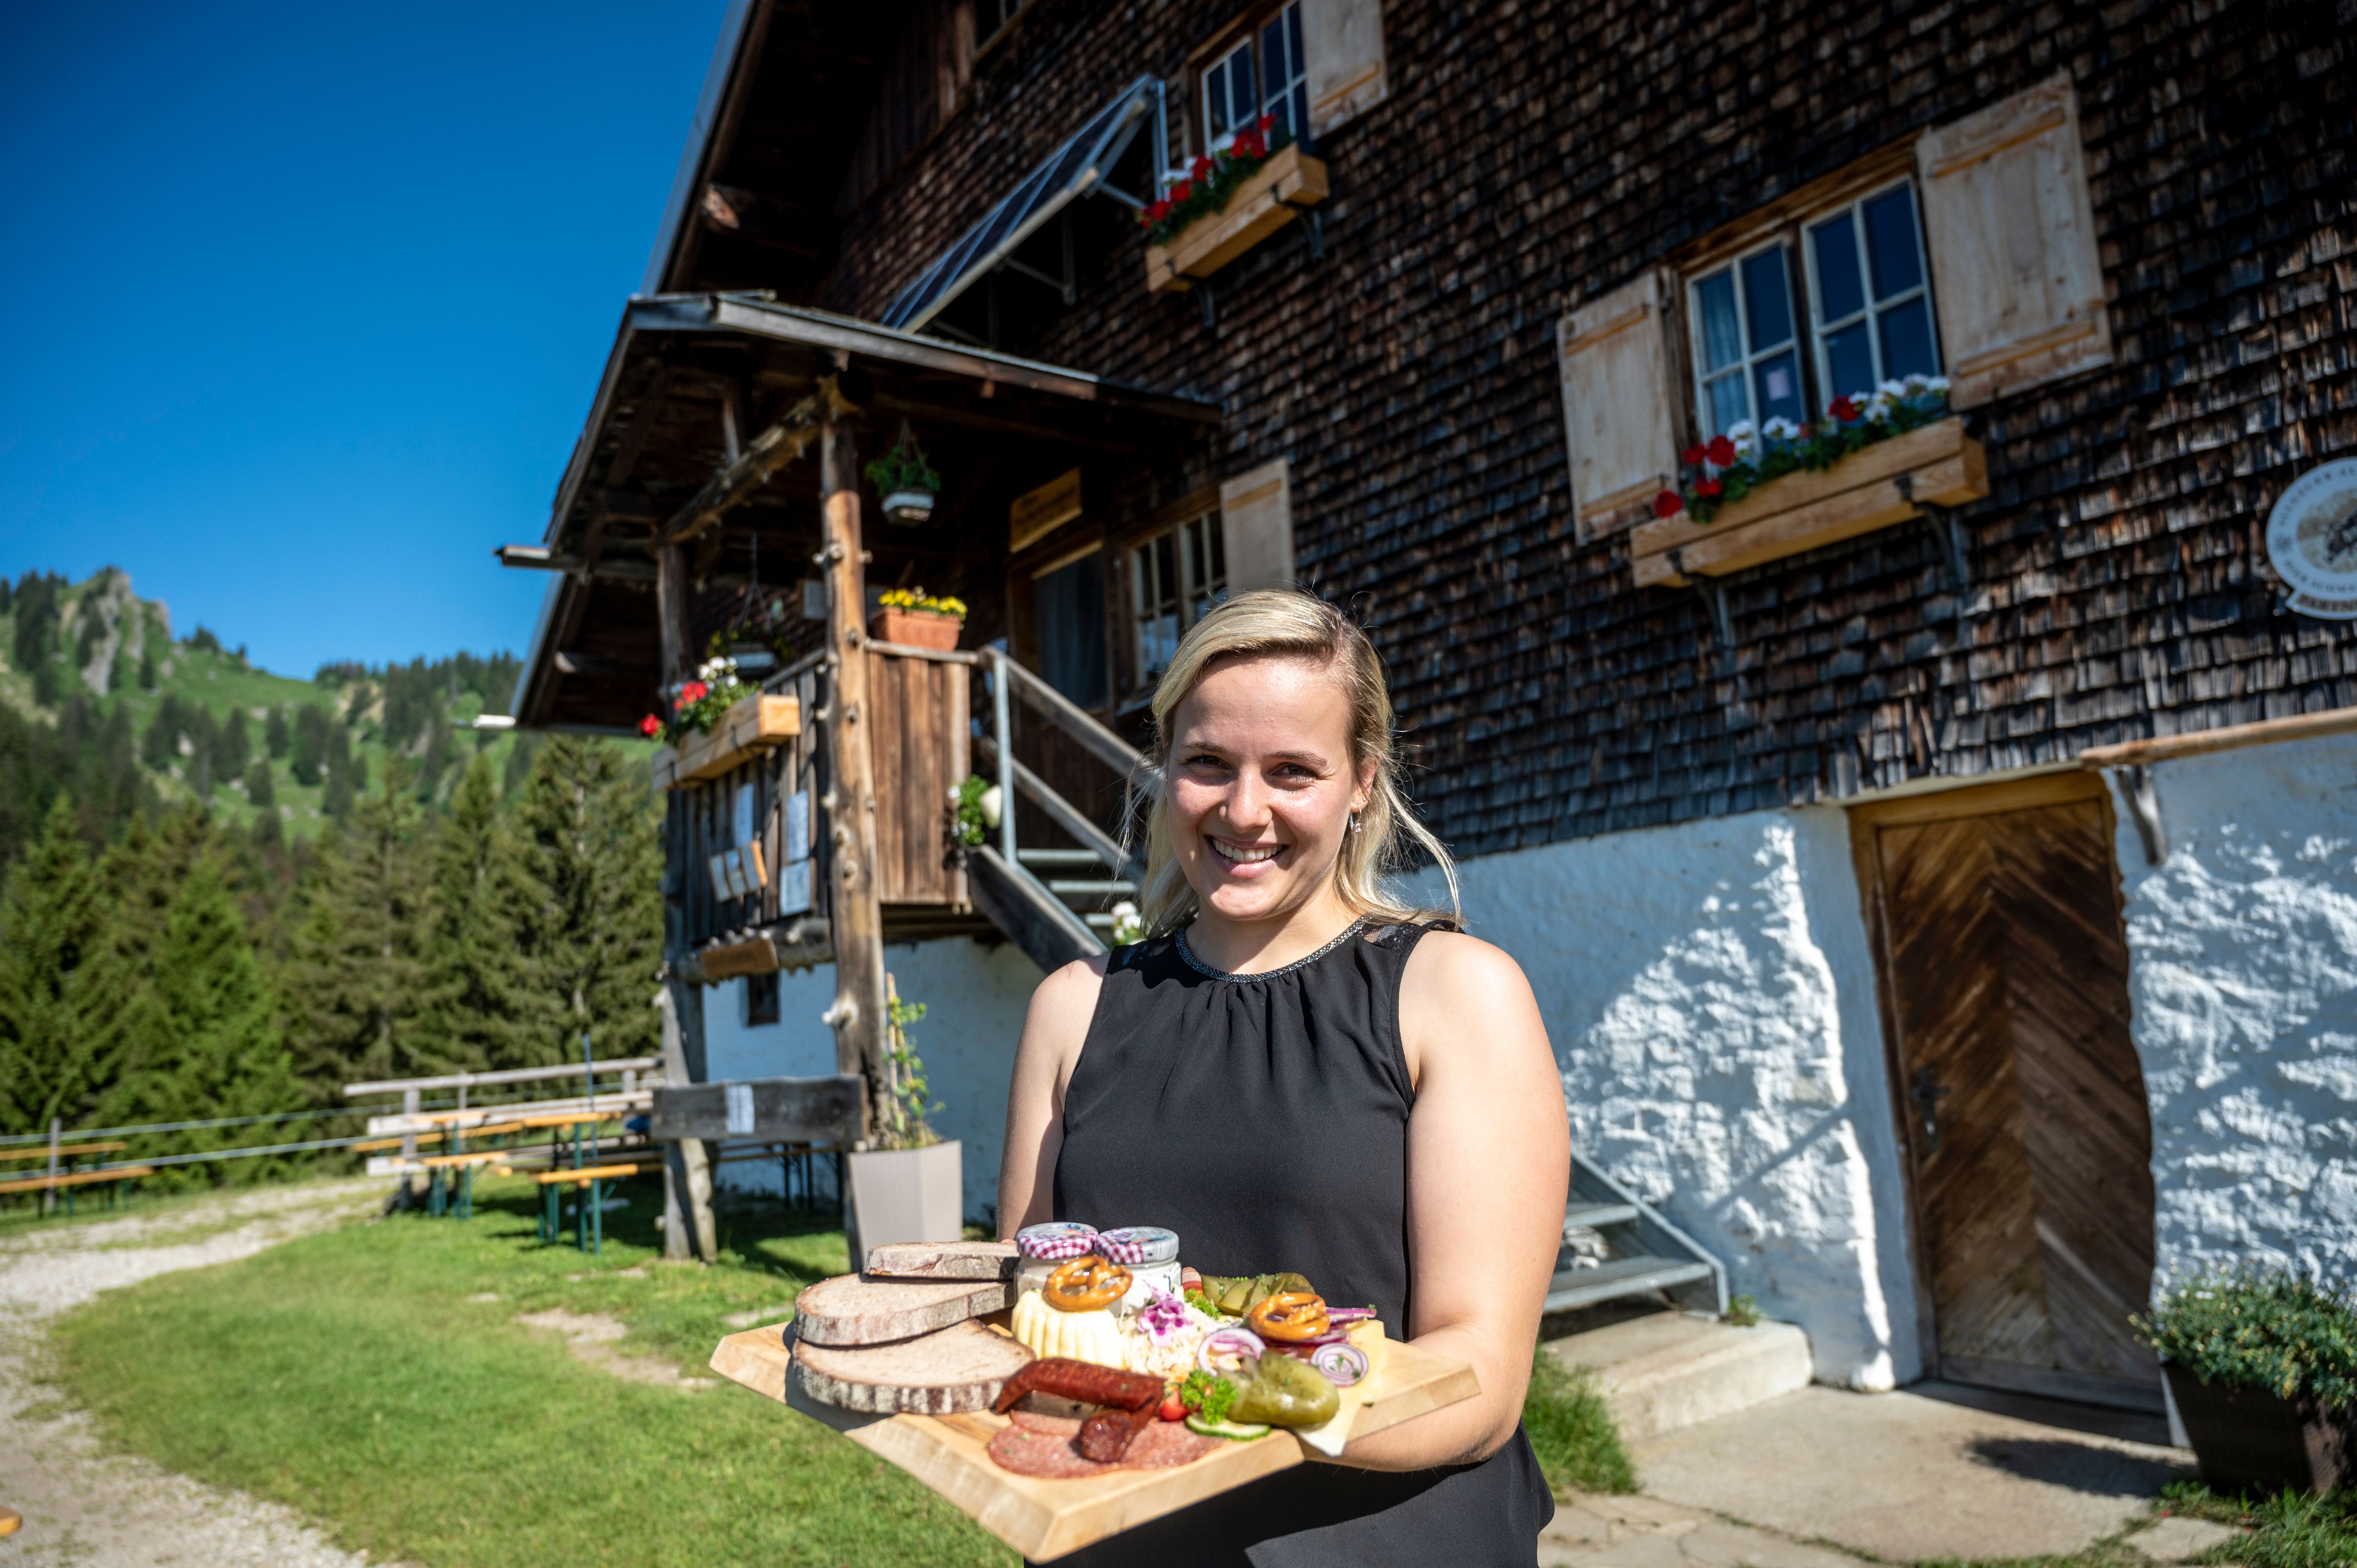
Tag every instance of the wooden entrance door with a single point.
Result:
(2004, 978)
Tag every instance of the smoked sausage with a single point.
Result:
(1082, 1381)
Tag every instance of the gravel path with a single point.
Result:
(93, 1510)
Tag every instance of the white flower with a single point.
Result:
(1780, 428)
(1891, 390)
(1126, 925)
(1740, 430)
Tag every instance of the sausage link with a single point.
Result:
(1105, 1437)
(1082, 1381)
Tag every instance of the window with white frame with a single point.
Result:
(1285, 91)
(1868, 318)
(1263, 71)
(1870, 294)
(1230, 102)
(1747, 357)
(1175, 577)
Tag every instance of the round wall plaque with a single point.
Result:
(2312, 540)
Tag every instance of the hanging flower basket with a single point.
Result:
(905, 480)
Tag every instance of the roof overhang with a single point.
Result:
(665, 338)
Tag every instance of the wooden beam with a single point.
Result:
(949, 413)
(784, 1110)
(671, 611)
(855, 916)
(767, 453)
(765, 220)
(2265, 732)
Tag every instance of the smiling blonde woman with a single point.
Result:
(1296, 1070)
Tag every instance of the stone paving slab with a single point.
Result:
(1645, 1532)
(1907, 1476)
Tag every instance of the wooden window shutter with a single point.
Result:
(2014, 266)
(1342, 45)
(1256, 527)
(1617, 415)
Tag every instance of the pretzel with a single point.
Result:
(1290, 1316)
(1086, 1283)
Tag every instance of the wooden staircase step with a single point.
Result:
(1592, 1215)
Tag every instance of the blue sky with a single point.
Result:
(304, 304)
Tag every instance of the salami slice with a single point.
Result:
(1037, 1453)
(1048, 1425)
(1166, 1445)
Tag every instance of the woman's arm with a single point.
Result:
(1053, 1033)
(1489, 1162)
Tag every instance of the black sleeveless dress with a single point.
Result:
(1264, 1117)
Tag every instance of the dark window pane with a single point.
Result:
(1849, 362)
(1779, 381)
(1907, 341)
(1241, 96)
(1071, 630)
(1728, 404)
(1891, 243)
(1840, 291)
(1767, 301)
(1722, 337)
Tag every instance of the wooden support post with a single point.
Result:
(671, 610)
(688, 1230)
(856, 917)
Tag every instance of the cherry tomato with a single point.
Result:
(1172, 1410)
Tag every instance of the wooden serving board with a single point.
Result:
(1045, 1518)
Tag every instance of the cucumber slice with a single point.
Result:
(1239, 1431)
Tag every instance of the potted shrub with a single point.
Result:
(908, 1184)
(905, 480)
(917, 618)
(2262, 1367)
(699, 703)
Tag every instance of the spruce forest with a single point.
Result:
(225, 893)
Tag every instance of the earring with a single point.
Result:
(1356, 825)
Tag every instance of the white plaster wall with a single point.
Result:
(976, 995)
(1710, 992)
(2243, 986)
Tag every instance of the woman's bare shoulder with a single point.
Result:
(1465, 1001)
(1452, 966)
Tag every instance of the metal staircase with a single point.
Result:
(1052, 903)
(1647, 1254)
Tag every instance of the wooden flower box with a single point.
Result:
(1889, 482)
(915, 628)
(752, 726)
(1255, 209)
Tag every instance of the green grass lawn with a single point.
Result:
(351, 1374)
(361, 1376)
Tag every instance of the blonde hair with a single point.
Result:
(1274, 623)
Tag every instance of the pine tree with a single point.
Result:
(274, 731)
(479, 1011)
(354, 970)
(203, 1035)
(592, 922)
(60, 993)
(233, 748)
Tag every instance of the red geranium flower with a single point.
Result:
(1242, 147)
(1706, 488)
(1842, 409)
(693, 692)
(1668, 504)
(650, 726)
(1691, 457)
(1182, 191)
(1721, 451)
(1201, 168)
(1267, 123)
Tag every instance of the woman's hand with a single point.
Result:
(1489, 1163)
(1053, 1032)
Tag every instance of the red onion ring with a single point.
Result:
(1242, 1341)
(1344, 1365)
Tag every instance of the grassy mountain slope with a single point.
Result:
(97, 642)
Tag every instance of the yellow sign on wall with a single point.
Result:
(1038, 513)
